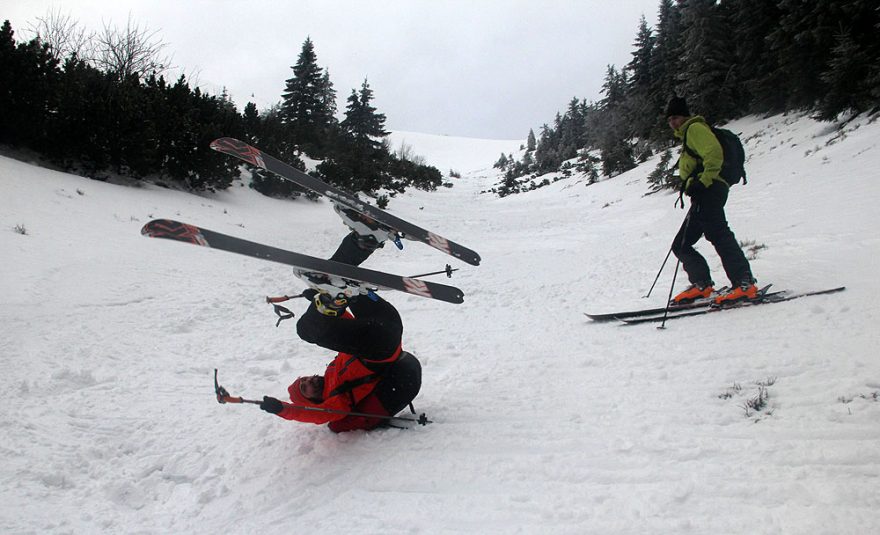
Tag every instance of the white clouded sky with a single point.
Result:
(475, 68)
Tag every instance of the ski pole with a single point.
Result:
(448, 272)
(223, 394)
(687, 222)
(282, 299)
(687, 218)
(224, 397)
(422, 419)
(658, 273)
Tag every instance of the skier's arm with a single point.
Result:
(702, 141)
(294, 412)
(289, 411)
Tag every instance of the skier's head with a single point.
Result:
(307, 390)
(677, 106)
(677, 112)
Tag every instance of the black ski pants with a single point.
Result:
(376, 329)
(706, 218)
(374, 333)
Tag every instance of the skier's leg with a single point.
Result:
(370, 234)
(368, 405)
(351, 252)
(719, 234)
(692, 262)
(373, 333)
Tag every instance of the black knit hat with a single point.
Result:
(677, 106)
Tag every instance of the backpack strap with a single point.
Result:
(349, 386)
(693, 154)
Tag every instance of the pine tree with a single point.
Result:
(328, 96)
(708, 61)
(803, 43)
(756, 70)
(362, 163)
(845, 78)
(644, 111)
(666, 58)
(571, 130)
(308, 102)
(28, 78)
(531, 143)
(615, 137)
(362, 122)
(9, 96)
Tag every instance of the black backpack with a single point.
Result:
(733, 169)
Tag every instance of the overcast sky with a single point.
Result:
(474, 68)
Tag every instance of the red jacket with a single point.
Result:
(347, 381)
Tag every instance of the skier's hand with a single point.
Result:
(271, 405)
(695, 187)
(309, 293)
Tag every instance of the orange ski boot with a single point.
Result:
(692, 293)
(743, 292)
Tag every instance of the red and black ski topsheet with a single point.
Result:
(255, 156)
(183, 232)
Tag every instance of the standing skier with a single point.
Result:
(371, 373)
(699, 167)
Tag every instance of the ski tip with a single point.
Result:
(152, 228)
(239, 149)
(221, 144)
(174, 230)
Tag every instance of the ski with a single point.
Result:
(773, 297)
(255, 156)
(305, 264)
(608, 316)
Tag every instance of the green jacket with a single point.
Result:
(702, 141)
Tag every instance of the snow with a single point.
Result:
(543, 421)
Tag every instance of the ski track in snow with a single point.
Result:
(544, 421)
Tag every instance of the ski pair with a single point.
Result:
(366, 220)
(673, 307)
(696, 309)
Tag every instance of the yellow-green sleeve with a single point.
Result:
(702, 141)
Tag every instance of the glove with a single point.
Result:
(271, 405)
(310, 293)
(695, 187)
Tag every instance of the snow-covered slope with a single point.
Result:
(459, 154)
(544, 422)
